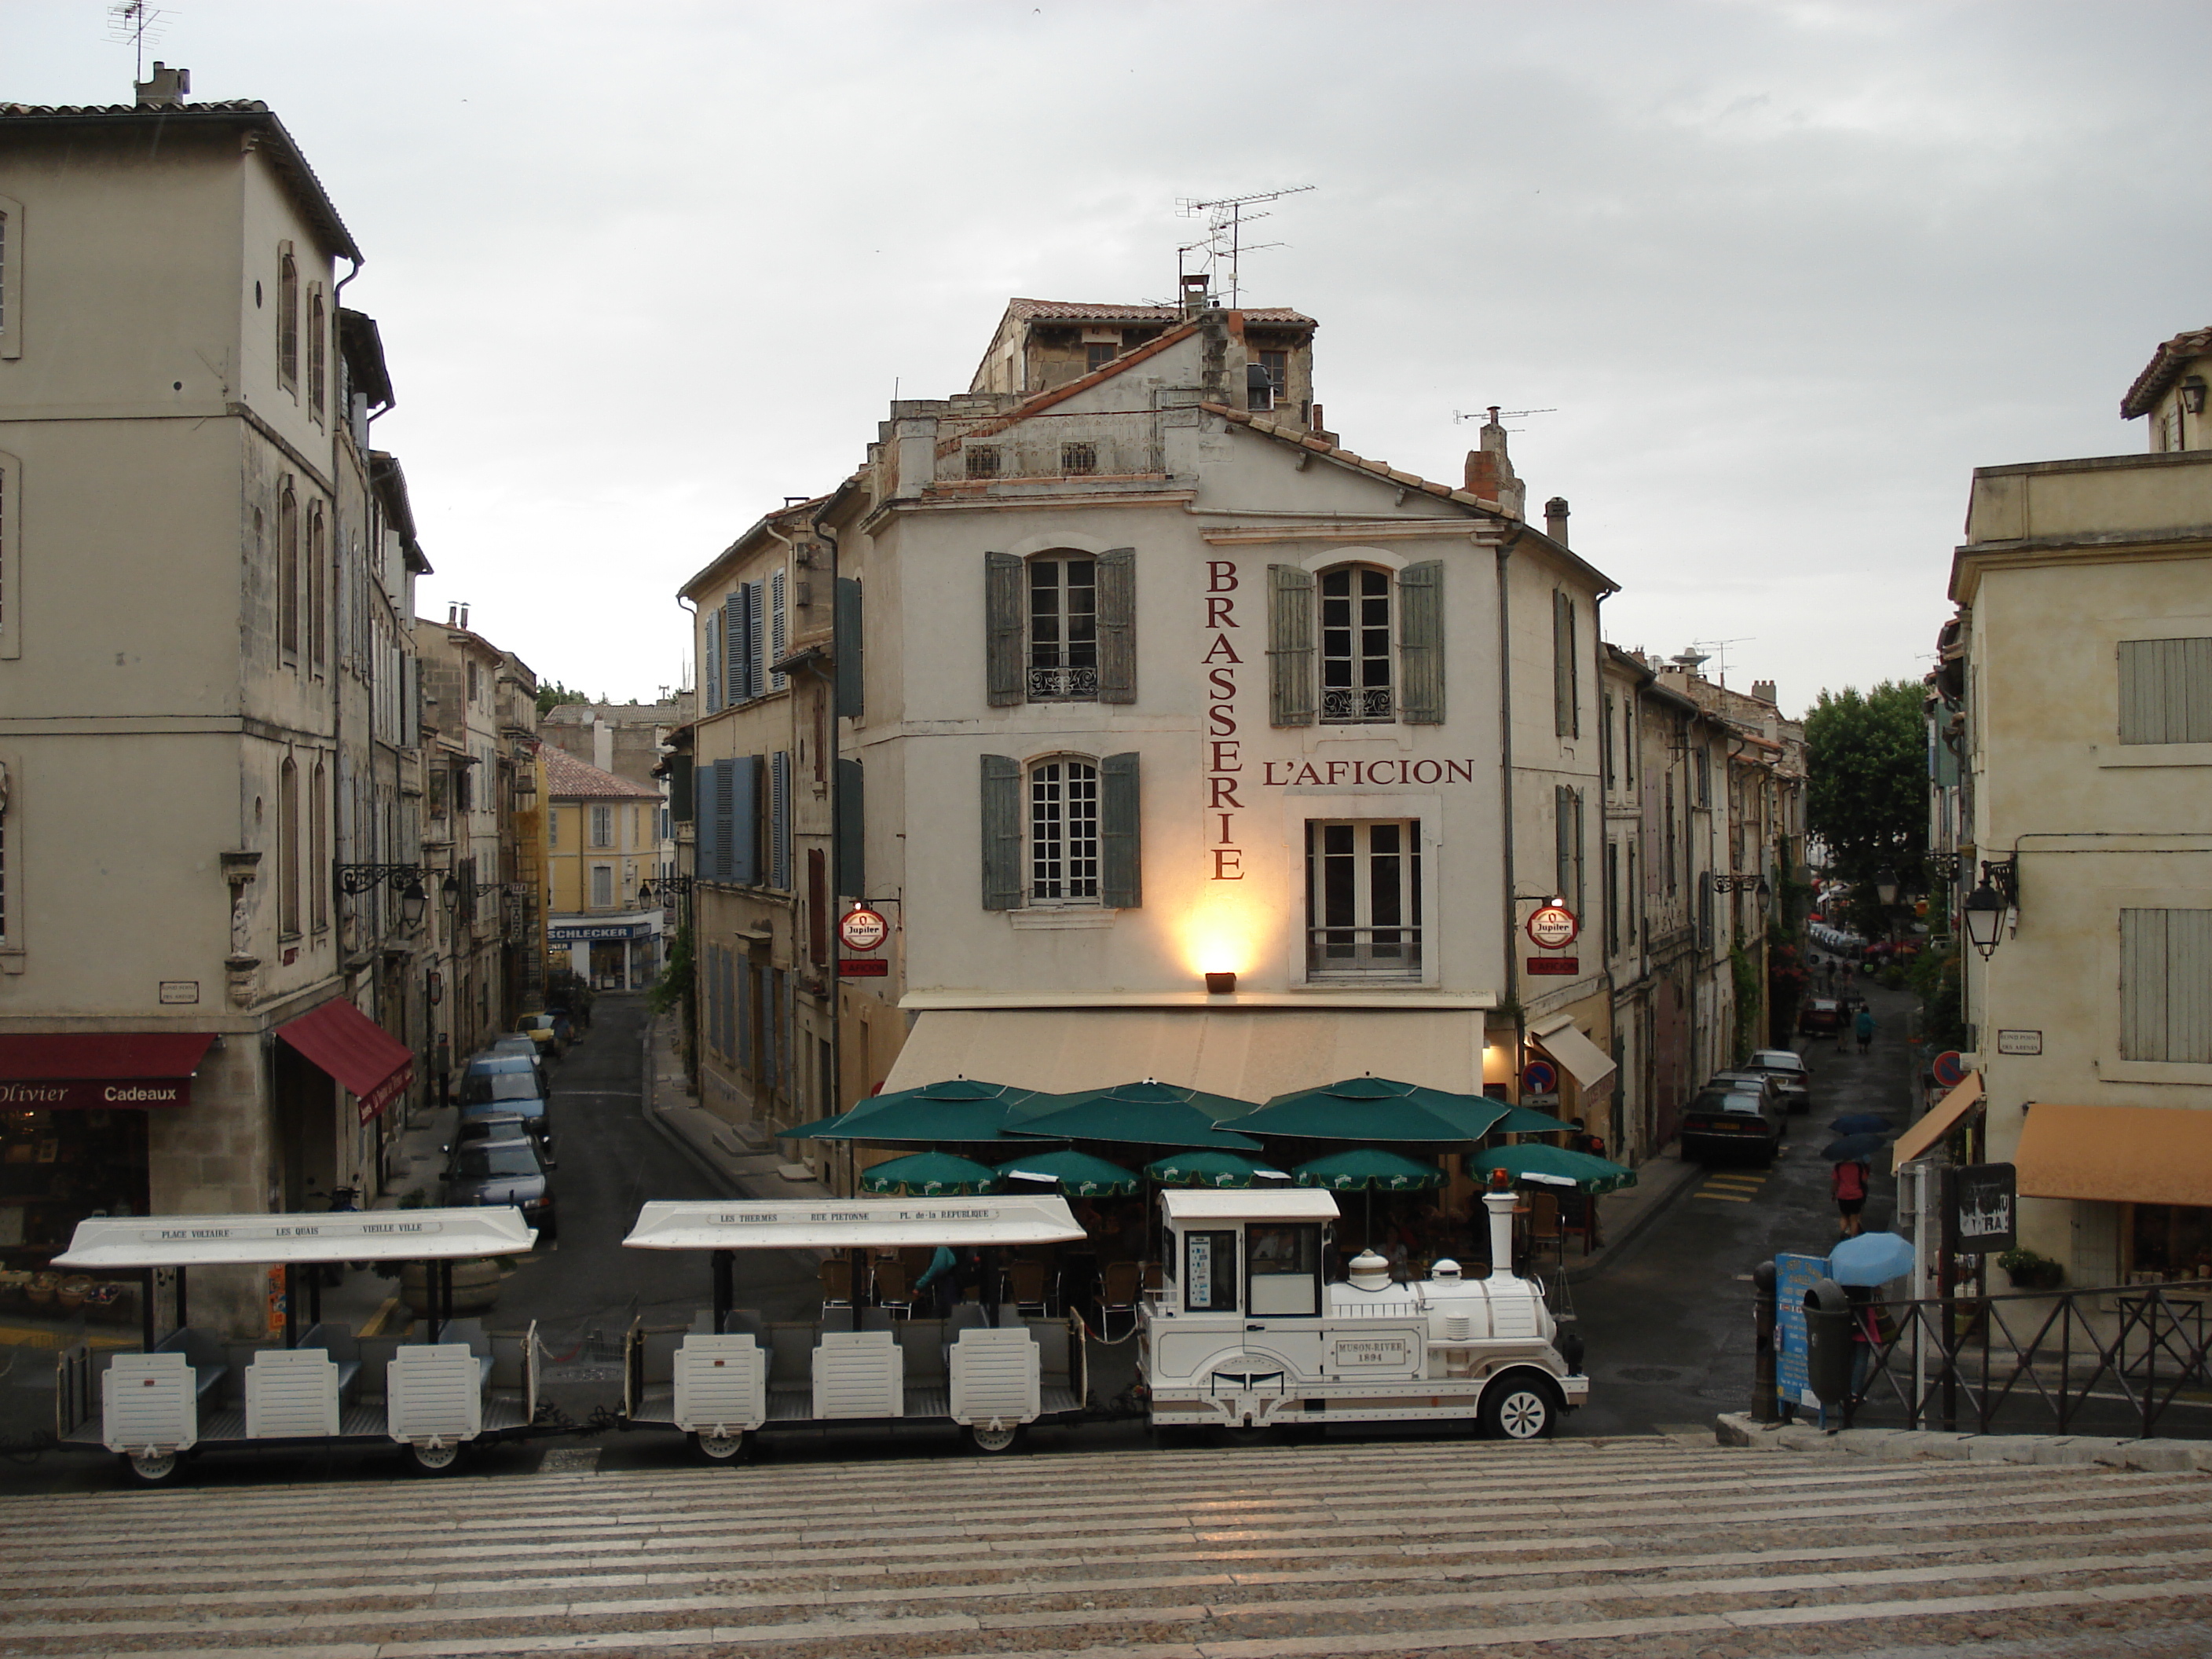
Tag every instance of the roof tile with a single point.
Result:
(567, 778)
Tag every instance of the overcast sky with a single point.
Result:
(1782, 274)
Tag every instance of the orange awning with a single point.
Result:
(345, 1044)
(1947, 1115)
(2117, 1154)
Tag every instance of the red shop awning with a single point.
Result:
(356, 1053)
(77, 1070)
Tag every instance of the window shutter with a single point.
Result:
(1117, 625)
(764, 999)
(779, 817)
(756, 639)
(726, 819)
(1002, 832)
(1002, 627)
(741, 856)
(2165, 691)
(779, 631)
(1290, 646)
(1563, 809)
(848, 647)
(852, 826)
(1563, 694)
(737, 1005)
(1421, 643)
(679, 788)
(710, 664)
(1120, 834)
(734, 688)
(1582, 894)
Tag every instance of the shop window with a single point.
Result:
(1362, 899)
(2170, 1242)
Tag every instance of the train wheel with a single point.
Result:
(1519, 1408)
(152, 1468)
(992, 1438)
(721, 1448)
(433, 1459)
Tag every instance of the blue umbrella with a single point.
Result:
(1853, 1149)
(1870, 1259)
(1862, 1123)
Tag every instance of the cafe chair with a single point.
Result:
(1119, 1287)
(1025, 1288)
(1545, 1232)
(836, 1284)
(893, 1290)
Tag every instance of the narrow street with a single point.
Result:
(1669, 1324)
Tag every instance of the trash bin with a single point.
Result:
(1828, 1342)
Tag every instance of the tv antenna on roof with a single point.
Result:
(1503, 415)
(1227, 218)
(135, 24)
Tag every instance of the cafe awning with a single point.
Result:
(2117, 1154)
(354, 1051)
(99, 1069)
(1947, 1115)
(1246, 1053)
(1590, 1064)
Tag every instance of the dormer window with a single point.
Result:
(1097, 354)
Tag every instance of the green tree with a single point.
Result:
(1867, 794)
(553, 693)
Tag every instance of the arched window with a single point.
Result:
(1063, 626)
(1063, 840)
(287, 573)
(317, 353)
(287, 318)
(319, 852)
(318, 567)
(288, 851)
(1356, 680)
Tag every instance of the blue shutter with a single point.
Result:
(764, 999)
(847, 648)
(1004, 610)
(742, 861)
(779, 630)
(710, 662)
(779, 811)
(755, 637)
(737, 992)
(726, 820)
(1002, 832)
(734, 632)
(679, 790)
(851, 829)
(1120, 846)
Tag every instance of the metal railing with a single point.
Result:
(2025, 1364)
(1355, 704)
(1048, 685)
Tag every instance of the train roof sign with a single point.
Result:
(203, 1240)
(786, 1223)
(1256, 1204)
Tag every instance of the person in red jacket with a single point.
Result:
(1848, 1182)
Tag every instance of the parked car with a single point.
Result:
(1751, 1077)
(515, 1098)
(1790, 1073)
(546, 1032)
(502, 1172)
(500, 1124)
(1821, 1017)
(476, 1075)
(1726, 1123)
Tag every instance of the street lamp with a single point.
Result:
(1885, 888)
(412, 903)
(449, 894)
(1985, 910)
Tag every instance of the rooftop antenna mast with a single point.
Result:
(1502, 414)
(135, 24)
(1227, 218)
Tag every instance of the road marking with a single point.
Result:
(1726, 1198)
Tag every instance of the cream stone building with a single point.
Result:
(203, 680)
(603, 846)
(2082, 663)
(1197, 746)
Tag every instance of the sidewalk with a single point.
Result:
(744, 1160)
(1625, 1216)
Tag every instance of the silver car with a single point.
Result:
(502, 1172)
(1791, 1075)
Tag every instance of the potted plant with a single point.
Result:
(2031, 1271)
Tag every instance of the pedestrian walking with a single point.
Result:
(1862, 1023)
(1848, 1182)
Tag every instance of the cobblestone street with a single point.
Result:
(1646, 1546)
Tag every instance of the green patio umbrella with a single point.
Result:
(1364, 1170)
(1374, 1108)
(1554, 1166)
(1526, 1121)
(929, 1174)
(1147, 1114)
(962, 1111)
(811, 1131)
(1213, 1169)
(1367, 1169)
(1079, 1175)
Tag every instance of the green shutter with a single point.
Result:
(1290, 646)
(1117, 625)
(847, 647)
(1120, 833)
(1002, 832)
(852, 826)
(1421, 643)
(679, 788)
(1002, 626)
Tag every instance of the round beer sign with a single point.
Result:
(1554, 927)
(862, 929)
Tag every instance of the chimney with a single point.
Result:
(1555, 519)
(1194, 294)
(452, 616)
(166, 90)
(1764, 691)
(1490, 470)
(465, 617)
